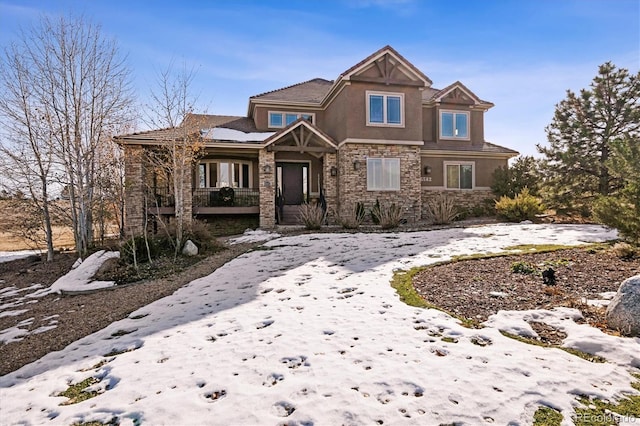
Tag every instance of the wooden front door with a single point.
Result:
(292, 182)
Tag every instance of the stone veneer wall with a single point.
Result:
(352, 183)
(330, 185)
(463, 199)
(267, 182)
(134, 189)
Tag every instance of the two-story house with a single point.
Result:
(379, 131)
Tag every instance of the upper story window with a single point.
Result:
(279, 119)
(385, 109)
(383, 174)
(454, 125)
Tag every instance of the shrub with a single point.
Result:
(354, 219)
(390, 217)
(202, 236)
(312, 215)
(624, 251)
(144, 248)
(523, 206)
(622, 213)
(525, 268)
(441, 210)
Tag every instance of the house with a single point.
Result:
(380, 131)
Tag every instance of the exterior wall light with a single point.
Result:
(427, 170)
(334, 171)
(356, 165)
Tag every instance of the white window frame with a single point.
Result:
(283, 115)
(460, 163)
(207, 176)
(384, 95)
(454, 137)
(386, 163)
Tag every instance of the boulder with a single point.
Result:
(623, 313)
(190, 249)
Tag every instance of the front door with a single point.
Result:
(293, 181)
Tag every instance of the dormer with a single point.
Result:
(454, 115)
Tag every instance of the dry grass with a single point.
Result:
(62, 238)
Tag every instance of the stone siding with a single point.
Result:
(134, 189)
(330, 185)
(465, 200)
(352, 179)
(267, 181)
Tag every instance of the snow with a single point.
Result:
(222, 134)
(6, 256)
(307, 330)
(79, 279)
(251, 236)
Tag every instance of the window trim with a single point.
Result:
(455, 112)
(207, 176)
(385, 116)
(384, 161)
(283, 116)
(459, 163)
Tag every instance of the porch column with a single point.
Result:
(187, 199)
(330, 184)
(267, 182)
(133, 190)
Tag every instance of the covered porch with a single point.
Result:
(297, 165)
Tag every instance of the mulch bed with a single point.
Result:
(475, 289)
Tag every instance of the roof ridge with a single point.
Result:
(290, 86)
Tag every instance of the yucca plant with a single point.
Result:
(441, 210)
(390, 216)
(354, 219)
(312, 216)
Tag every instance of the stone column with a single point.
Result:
(267, 182)
(187, 199)
(133, 190)
(330, 185)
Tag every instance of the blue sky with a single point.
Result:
(521, 55)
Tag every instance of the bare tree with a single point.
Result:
(171, 108)
(26, 157)
(80, 83)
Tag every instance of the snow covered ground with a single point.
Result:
(6, 256)
(307, 330)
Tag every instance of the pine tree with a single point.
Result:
(622, 211)
(581, 134)
(523, 173)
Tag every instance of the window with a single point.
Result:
(459, 176)
(220, 173)
(454, 125)
(385, 109)
(383, 174)
(283, 119)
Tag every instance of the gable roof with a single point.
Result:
(440, 95)
(301, 122)
(386, 50)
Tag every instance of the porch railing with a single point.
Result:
(208, 197)
(226, 197)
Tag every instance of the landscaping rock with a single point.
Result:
(623, 313)
(190, 249)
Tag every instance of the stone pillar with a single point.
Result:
(330, 185)
(267, 182)
(133, 189)
(187, 199)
